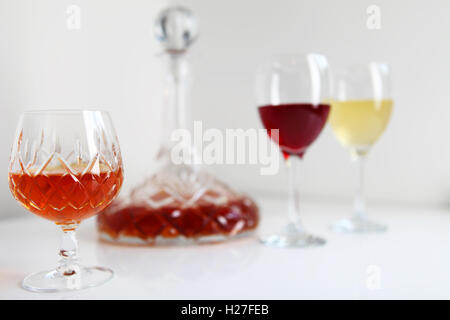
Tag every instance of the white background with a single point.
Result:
(111, 63)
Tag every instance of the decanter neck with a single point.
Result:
(176, 112)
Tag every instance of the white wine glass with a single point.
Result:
(360, 112)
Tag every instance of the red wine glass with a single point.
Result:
(293, 94)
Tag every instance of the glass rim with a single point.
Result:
(295, 54)
(363, 65)
(284, 55)
(63, 111)
(366, 63)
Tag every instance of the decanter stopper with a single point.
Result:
(176, 29)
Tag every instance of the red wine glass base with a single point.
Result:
(292, 237)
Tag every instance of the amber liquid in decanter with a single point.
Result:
(168, 210)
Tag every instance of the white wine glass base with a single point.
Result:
(292, 237)
(357, 224)
(55, 281)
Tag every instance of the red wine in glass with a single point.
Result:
(299, 124)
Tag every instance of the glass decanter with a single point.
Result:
(180, 203)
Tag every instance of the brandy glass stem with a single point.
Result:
(68, 265)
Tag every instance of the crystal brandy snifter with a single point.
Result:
(65, 166)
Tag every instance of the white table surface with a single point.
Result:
(411, 260)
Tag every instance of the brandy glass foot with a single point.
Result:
(57, 281)
(69, 275)
(358, 224)
(292, 237)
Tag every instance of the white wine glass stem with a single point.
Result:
(359, 202)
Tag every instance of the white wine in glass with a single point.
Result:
(359, 123)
